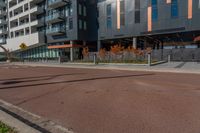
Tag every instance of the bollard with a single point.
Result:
(149, 59)
(169, 58)
(95, 59)
(59, 60)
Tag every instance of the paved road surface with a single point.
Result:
(106, 101)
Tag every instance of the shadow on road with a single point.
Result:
(40, 76)
(74, 81)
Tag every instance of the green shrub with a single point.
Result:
(6, 129)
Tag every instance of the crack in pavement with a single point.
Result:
(39, 96)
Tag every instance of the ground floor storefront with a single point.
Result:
(181, 46)
(47, 52)
(155, 41)
(36, 53)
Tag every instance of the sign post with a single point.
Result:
(23, 46)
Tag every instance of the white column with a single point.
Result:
(135, 42)
(149, 59)
(71, 51)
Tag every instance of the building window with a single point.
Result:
(137, 11)
(80, 9)
(80, 24)
(71, 23)
(12, 35)
(71, 11)
(85, 25)
(154, 10)
(84, 11)
(122, 13)
(109, 18)
(199, 3)
(11, 14)
(27, 31)
(174, 9)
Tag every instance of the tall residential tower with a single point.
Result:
(51, 28)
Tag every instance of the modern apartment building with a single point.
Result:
(71, 24)
(51, 28)
(144, 23)
(24, 24)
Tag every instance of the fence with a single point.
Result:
(122, 57)
(182, 54)
(156, 55)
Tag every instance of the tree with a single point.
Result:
(117, 49)
(6, 52)
(85, 52)
(102, 53)
(148, 50)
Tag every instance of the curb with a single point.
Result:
(16, 124)
(111, 67)
(27, 122)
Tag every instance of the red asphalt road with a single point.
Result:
(106, 101)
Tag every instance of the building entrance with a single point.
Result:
(64, 55)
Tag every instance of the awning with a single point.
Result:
(64, 46)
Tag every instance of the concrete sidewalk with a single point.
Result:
(8, 117)
(173, 67)
(26, 122)
(16, 124)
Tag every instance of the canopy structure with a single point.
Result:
(64, 46)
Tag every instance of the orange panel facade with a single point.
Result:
(168, 1)
(118, 14)
(190, 12)
(149, 13)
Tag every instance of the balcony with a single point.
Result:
(55, 18)
(2, 41)
(3, 13)
(56, 31)
(3, 31)
(37, 10)
(57, 3)
(29, 39)
(2, 4)
(3, 22)
(37, 1)
(38, 22)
